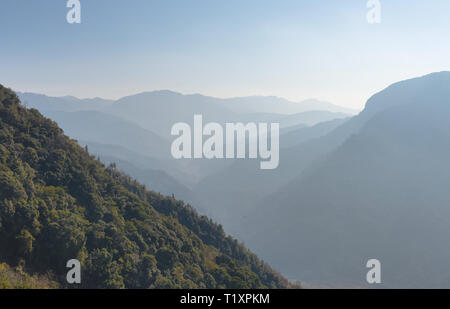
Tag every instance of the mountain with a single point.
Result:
(158, 111)
(289, 122)
(103, 128)
(381, 193)
(166, 108)
(310, 118)
(316, 105)
(108, 151)
(261, 104)
(296, 135)
(62, 104)
(58, 203)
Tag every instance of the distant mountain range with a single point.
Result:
(157, 111)
(135, 130)
(62, 104)
(261, 104)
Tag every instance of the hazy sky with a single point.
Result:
(295, 49)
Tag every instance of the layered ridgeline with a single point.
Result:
(134, 132)
(379, 190)
(58, 203)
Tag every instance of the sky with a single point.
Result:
(295, 49)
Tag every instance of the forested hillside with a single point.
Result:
(58, 203)
(11, 278)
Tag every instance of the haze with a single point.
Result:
(292, 49)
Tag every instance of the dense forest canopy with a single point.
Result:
(58, 203)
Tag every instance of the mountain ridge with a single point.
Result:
(381, 193)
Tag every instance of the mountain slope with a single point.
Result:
(58, 203)
(165, 108)
(297, 135)
(156, 179)
(264, 104)
(238, 190)
(381, 194)
(62, 104)
(17, 279)
(103, 128)
(310, 118)
(169, 166)
(158, 111)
